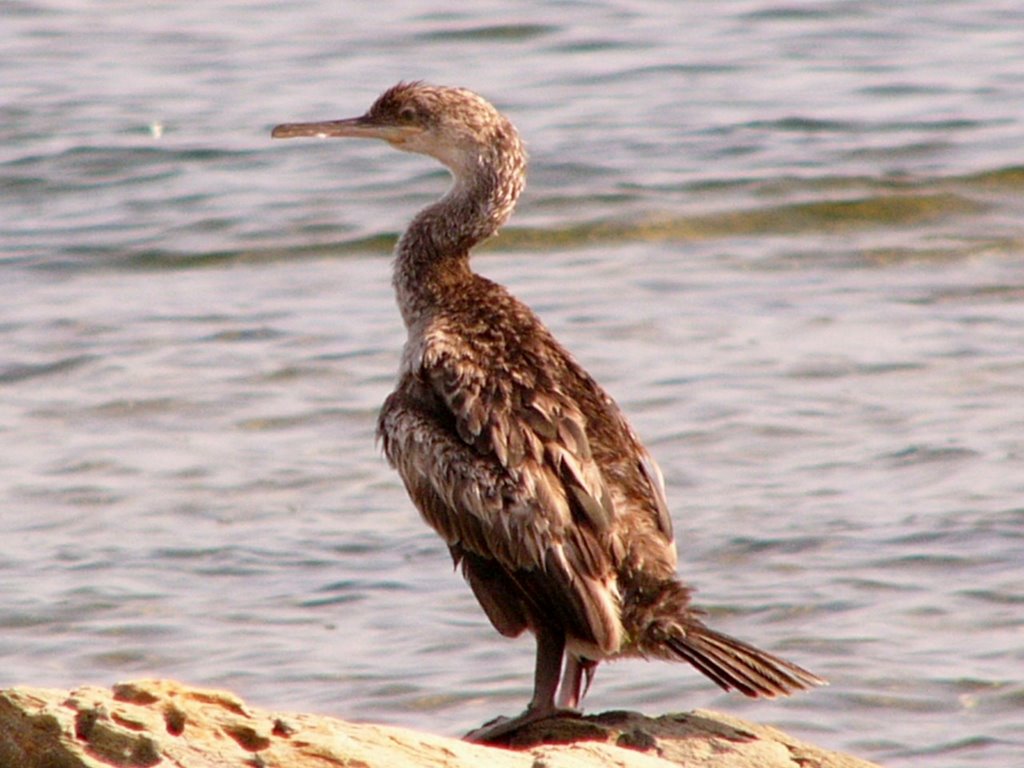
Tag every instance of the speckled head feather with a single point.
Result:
(480, 147)
(455, 111)
(474, 140)
(456, 126)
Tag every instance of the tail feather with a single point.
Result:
(658, 615)
(722, 678)
(733, 664)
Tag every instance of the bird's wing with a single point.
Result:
(536, 433)
(503, 468)
(650, 471)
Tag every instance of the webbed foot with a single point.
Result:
(499, 728)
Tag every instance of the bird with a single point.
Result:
(529, 471)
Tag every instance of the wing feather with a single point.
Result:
(650, 471)
(502, 468)
(529, 429)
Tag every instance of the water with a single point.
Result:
(786, 237)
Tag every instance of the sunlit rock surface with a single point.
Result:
(161, 722)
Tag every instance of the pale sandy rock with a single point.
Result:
(164, 723)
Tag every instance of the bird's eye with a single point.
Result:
(407, 115)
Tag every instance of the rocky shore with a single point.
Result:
(165, 723)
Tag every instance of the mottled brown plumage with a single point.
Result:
(530, 473)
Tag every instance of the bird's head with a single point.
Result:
(453, 125)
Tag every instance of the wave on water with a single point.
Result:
(797, 207)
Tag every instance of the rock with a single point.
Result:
(164, 723)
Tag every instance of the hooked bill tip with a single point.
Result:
(286, 131)
(320, 130)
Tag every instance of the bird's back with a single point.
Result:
(563, 468)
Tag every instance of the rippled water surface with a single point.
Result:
(787, 238)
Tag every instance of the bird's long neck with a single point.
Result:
(432, 256)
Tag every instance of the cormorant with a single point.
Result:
(522, 463)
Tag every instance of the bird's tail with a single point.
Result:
(667, 626)
(733, 664)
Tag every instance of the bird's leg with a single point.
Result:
(570, 694)
(550, 650)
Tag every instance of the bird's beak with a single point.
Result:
(359, 127)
